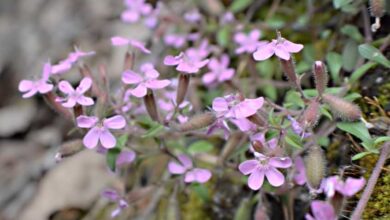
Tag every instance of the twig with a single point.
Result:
(357, 213)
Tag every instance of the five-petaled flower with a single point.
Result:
(114, 196)
(349, 187)
(231, 106)
(122, 41)
(264, 166)
(248, 43)
(135, 9)
(186, 167)
(75, 96)
(41, 85)
(100, 130)
(219, 71)
(280, 46)
(148, 80)
(321, 211)
(66, 64)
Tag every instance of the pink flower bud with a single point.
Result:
(311, 114)
(184, 81)
(342, 108)
(150, 105)
(289, 69)
(320, 76)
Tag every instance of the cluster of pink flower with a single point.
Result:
(243, 112)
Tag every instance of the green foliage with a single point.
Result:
(111, 156)
(359, 72)
(352, 32)
(201, 146)
(240, 5)
(153, 131)
(371, 53)
(334, 61)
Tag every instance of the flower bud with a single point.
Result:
(150, 105)
(197, 122)
(320, 76)
(342, 108)
(311, 114)
(229, 147)
(257, 119)
(68, 149)
(314, 167)
(184, 81)
(377, 8)
(129, 61)
(289, 69)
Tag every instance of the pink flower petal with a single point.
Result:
(115, 122)
(125, 157)
(256, 179)
(119, 41)
(84, 85)
(197, 175)
(130, 16)
(220, 105)
(46, 71)
(70, 103)
(25, 85)
(86, 101)
(248, 166)
(281, 52)
(274, 176)
(226, 75)
(131, 77)
(140, 91)
(107, 139)
(292, 47)
(45, 87)
(176, 168)
(243, 110)
(187, 67)
(65, 87)
(209, 78)
(30, 93)
(90, 140)
(240, 38)
(352, 186)
(280, 162)
(244, 124)
(157, 84)
(140, 46)
(322, 210)
(185, 161)
(254, 34)
(86, 121)
(264, 52)
(171, 60)
(213, 65)
(62, 67)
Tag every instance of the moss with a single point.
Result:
(193, 208)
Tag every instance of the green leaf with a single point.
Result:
(381, 139)
(201, 191)
(359, 72)
(352, 97)
(121, 141)
(325, 111)
(270, 91)
(334, 61)
(350, 55)
(323, 141)
(357, 129)
(111, 156)
(153, 131)
(239, 5)
(352, 32)
(200, 147)
(340, 3)
(371, 53)
(293, 140)
(360, 155)
(293, 99)
(223, 36)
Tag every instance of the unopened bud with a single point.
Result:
(377, 8)
(231, 144)
(258, 146)
(257, 119)
(184, 81)
(314, 167)
(197, 122)
(289, 69)
(311, 114)
(150, 104)
(129, 61)
(68, 149)
(320, 76)
(342, 108)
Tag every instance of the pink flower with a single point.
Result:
(349, 187)
(321, 211)
(297, 128)
(281, 47)
(219, 71)
(114, 196)
(264, 166)
(227, 18)
(231, 107)
(100, 130)
(244, 124)
(175, 40)
(135, 9)
(75, 96)
(148, 80)
(191, 61)
(299, 175)
(248, 43)
(73, 57)
(192, 16)
(185, 167)
(41, 86)
(125, 157)
(121, 41)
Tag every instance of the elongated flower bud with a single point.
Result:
(257, 119)
(377, 8)
(197, 122)
(311, 114)
(320, 77)
(342, 108)
(184, 81)
(129, 61)
(68, 149)
(231, 144)
(314, 167)
(150, 104)
(289, 69)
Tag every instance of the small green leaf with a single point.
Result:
(357, 129)
(153, 131)
(121, 140)
(201, 191)
(293, 99)
(340, 3)
(325, 111)
(359, 72)
(352, 32)
(350, 55)
(270, 91)
(352, 97)
(334, 61)
(371, 53)
(111, 156)
(200, 147)
(293, 140)
(223, 36)
(360, 155)
(323, 141)
(239, 5)
(379, 140)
